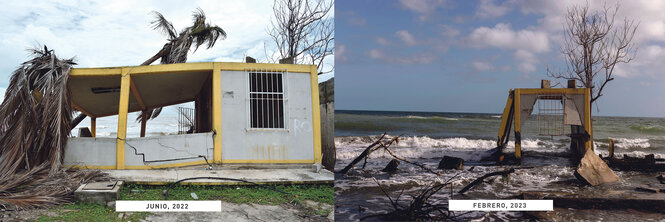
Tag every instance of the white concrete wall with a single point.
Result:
(82, 151)
(239, 142)
(87, 151)
(169, 147)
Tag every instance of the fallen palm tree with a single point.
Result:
(34, 126)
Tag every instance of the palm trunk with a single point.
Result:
(75, 122)
(154, 58)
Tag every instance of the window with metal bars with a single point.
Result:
(266, 99)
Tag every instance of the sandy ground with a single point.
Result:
(230, 212)
(245, 212)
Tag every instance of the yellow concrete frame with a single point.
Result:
(216, 68)
(514, 102)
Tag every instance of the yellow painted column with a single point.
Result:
(93, 126)
(217, 111)
(123, 106)
(518, 135)
(587, 117)
(504, 117)
(316, 114)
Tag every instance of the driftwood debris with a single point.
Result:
(482, 178)
(421, 207)
(379, 144)
(647, 189)
(648, 163)
(392, 166)
(361, 156)
(450, 162)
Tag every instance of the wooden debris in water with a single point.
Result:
(482, 178)
(450, 162)
(392, 166)
(385, 145)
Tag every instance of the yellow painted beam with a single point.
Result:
(79, 108)
(191, 163)
(552, 91)
(316, 113)
(83, 72)
(185, 67)
(268, 161)
(217, 112)
(91, 167)
(234, 66)
(136, 93)
(587, 118)
(168, 165)
(170, 68)
(93, 126)
(517, 110)
(123, 106)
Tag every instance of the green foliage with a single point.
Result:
(233, 194)
(91, 212)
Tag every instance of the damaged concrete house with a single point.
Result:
(245, 113)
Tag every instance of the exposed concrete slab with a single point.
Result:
(262, 175)
(99, 192)
(594, 170)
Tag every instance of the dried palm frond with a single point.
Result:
(37, 188)
(34, 126)
(175, 51)
(35, 115)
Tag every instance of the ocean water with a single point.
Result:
(165, 123)
(427, 137)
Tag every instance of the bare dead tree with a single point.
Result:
(303, 31)
(594, 45)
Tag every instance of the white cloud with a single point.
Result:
(526, 61)
(487, 9)
(502, 36)
(424, 8)
(406, 37)
(341, 53)
(415, 58)
(448, 31)
(376, 54)
(648, 38)
(482, 66)
(526, 67)
(382, 41)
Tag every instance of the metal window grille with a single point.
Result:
(186, 122)
(266, 99)
(550, 115)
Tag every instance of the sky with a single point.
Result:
(118, 33)
(465, 56)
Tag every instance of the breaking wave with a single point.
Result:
(428, 142)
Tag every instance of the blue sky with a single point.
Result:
(464, 56)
